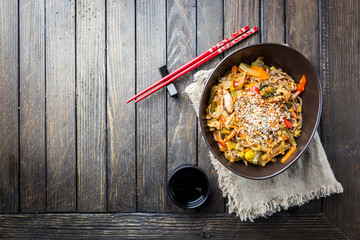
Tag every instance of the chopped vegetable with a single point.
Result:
(254, 88)
(239, 80)
(231, 145)
(246, 149)
(249, 85)
(284, 138)
(255, 71)
(265, 92)
(249, 155)
(288, 154)
(297, 132)
(288, 123)
(242, 136)
(256, 158)
(232, 88)
(291, 139)
(288, 105)
(302, 84)
(219, 139)
(234, 70)
(231, 135)
(258, 62)
(212, 94)
(225, 131)
(222, 119)
(292, 113)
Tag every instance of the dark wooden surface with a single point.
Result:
(121, 124)
(76, 161)
(168, 226)
(340, 53)
(60, 131)
(9, 112)
(32, 107)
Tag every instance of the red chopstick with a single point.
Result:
(220, 50)
(201, 56)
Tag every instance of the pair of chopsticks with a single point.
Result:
(207, 55)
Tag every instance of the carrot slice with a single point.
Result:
(222, 119)
(231, 135)
(255, 71)
(218, 138)
(292, 113)
(288, 154)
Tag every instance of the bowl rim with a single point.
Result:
(313, 131)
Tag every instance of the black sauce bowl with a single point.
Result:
(188, 187)
(293, 63)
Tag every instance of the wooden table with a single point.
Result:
(76, 161)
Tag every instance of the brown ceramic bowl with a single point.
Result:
(293, 63)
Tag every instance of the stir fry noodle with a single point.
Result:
(255, 113)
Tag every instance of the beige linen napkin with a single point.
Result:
(308, 178)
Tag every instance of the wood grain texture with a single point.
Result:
(181, 119)
(60, 106)
(166, 226)
(238, 14)
(91, 106)
(9, 142)
(272, 21)
(32, 106)
(210, 24)
(302, 28)
(340, 73)
(302, 33)
(151, 112)
(121, 116)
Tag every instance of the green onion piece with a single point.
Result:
(292, 140)
(213, 106)
(273, 68)
(212, 94)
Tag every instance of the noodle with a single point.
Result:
(256, 112)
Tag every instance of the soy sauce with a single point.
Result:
(188, 187)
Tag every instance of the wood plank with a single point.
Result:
(181, 119)
(340, 70)
(302, 33)
(302, 28)
(60, 106)
(9, 138)
(121, 127)
(151, 112)
(91, 106)
(272, 21)
(32, 106)
(210, 27)
(238, 14)
(167, 226)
